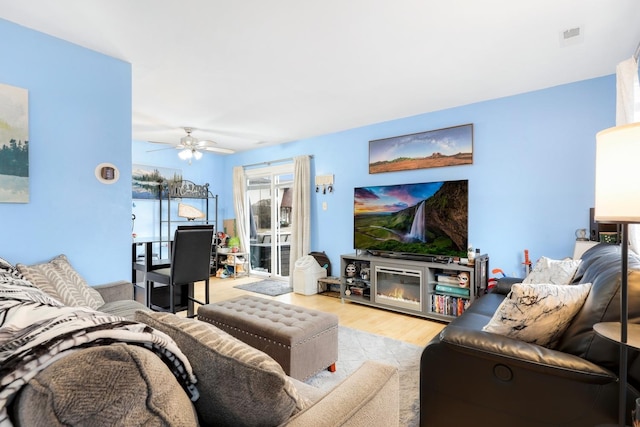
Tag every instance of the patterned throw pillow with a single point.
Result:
(238, 384)
(62, 282)
(539, 313)
(9, 274)
(558, 272)
(8, 270)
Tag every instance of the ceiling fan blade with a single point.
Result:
(199, 145)
(218, 150)
(162, 142)
(212, 146)
(160, 149)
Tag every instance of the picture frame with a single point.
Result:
(452, 146)
(14, 144)
(146, 180)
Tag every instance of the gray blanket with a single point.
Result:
(36, 330)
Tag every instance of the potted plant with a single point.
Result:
(234, 244)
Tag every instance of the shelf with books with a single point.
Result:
(449, 305)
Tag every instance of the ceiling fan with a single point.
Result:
(191, 148)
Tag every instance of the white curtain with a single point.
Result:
(628, 111)
(239, 202)
(301, 209)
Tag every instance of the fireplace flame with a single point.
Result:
(397, 293)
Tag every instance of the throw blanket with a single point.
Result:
(36, 330)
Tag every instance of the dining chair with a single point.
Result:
(190, 263)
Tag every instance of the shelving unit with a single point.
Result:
(195, 195)
(237, 263)
(424, 288)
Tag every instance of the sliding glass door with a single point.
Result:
(269, 208)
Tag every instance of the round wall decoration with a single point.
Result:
(107, 173)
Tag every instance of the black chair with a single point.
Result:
(190, 263)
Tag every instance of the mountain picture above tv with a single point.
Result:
(426, 219)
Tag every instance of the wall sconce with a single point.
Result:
(326, 182)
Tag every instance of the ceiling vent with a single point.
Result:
(571, 36)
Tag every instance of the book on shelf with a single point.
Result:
(450, 289)
(447, 278)
(449, 305)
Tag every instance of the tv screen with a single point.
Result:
(427, 218)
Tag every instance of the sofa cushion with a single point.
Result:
(238, 385)
(538, 313)
(122, 308)
(602, 268)
(61, 281)
(547, 270)
(108, 385)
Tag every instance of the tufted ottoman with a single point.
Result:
(301, 340)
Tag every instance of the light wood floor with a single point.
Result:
(414, 330)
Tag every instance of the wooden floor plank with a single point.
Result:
(411, 329)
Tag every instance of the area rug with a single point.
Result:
(267, 287)
(354, 347)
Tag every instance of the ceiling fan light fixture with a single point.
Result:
(197, 154)
(188, 141)
(185, 154)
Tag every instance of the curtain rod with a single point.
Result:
(268, 163)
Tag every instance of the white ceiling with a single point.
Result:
(249, 72)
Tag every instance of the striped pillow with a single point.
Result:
(9, 274)
(62, 282)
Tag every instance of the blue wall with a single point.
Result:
(79, 117)
(531, 182)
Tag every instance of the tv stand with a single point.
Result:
(443, 259)
(426, 286)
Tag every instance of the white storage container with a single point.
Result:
(306, 274)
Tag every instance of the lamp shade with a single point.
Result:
(185, 154)
(617, 191)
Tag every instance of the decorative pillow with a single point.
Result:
(558, 272)
(10, 275)
(239, 385)
(8, 271)
(108, 385)
(61, 281)
(538, 314)
(5, 265)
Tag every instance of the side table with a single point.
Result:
(324, 286)
(612, 331)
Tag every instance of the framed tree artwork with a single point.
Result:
(14, 144)
(147, 180)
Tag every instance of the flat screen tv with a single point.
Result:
(425, 219)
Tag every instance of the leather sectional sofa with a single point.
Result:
(471, 377)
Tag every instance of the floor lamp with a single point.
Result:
(617, 200)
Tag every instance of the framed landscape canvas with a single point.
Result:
(436, 148)
(14, 144)
(146, 180)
